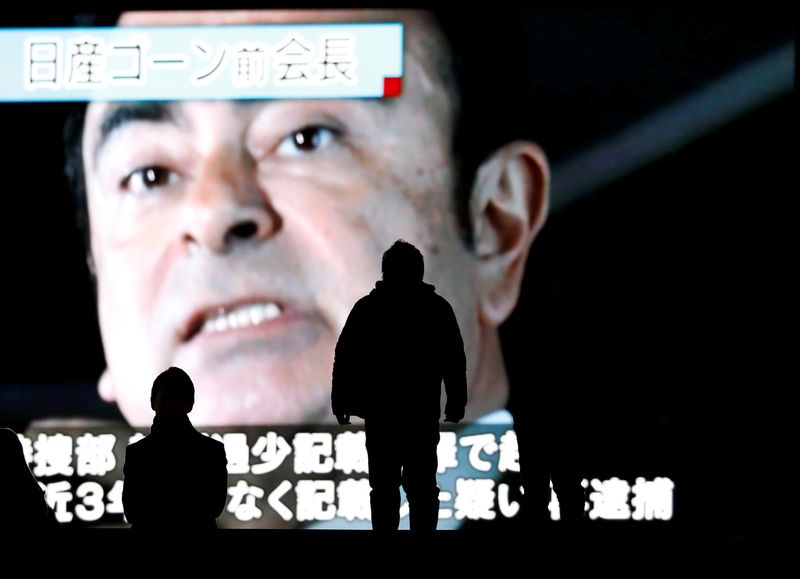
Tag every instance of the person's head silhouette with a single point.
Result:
(402, 262)
(172, 396)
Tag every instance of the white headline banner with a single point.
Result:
(202, 62)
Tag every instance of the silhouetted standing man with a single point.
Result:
(398, 344)
(23, 507)
(175, 478)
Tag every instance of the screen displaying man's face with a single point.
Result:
(232, 238)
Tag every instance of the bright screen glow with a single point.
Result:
(228, 230)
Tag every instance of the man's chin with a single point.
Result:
(213, 419)
(260, 405)
(246, 391)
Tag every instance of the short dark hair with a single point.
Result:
(402, 261)
(175, 381)
(73, 167)
(484, 70)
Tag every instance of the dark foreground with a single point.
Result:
(629, 551)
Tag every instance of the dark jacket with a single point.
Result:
(398, 344)
(22, 501)
(175, 478)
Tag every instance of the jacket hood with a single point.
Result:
(382, 287)
(182, 426)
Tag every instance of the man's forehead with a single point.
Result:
(251, 17)
(419, 28)
(420, 40)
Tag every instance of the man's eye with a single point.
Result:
(148, 178)
(306, 140)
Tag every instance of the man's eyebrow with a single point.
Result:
(118, 115)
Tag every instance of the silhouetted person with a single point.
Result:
(548, 413)
(549, 451)
(175, 478)
(398, 344)
(22, 503)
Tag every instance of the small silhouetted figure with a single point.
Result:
(548, 452)
(547, 405)
(398, 344)
(175, 478)
(22, 503)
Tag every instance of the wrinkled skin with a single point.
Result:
(288, 204)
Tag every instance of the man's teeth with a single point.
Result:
(240, 317)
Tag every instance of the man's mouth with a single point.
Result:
(222, 319)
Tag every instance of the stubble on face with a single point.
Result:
(404, 177)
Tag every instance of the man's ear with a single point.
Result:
(508, 208)
(106, 387)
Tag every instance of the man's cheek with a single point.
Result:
(126, 302)
(334, 230)
(134, 403)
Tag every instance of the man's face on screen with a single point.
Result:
(231, 239)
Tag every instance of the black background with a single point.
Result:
(657, 289)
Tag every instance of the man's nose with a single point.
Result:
(225, 208)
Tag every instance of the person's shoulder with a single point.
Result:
(439, 301)
(9, 440)
(215, 444)
(364, 305)
(140, 445)
(207, 442)
(213, 448)
(366, 300)
(135, 450)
